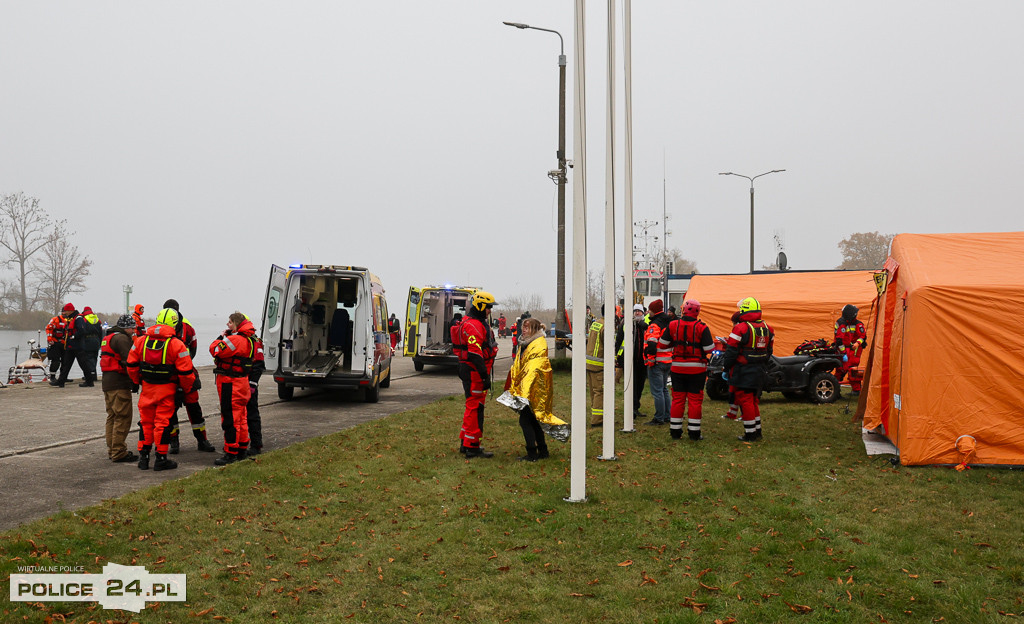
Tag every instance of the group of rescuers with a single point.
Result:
(156, 362)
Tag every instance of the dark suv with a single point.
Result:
(795, 376)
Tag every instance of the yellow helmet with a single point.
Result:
(482, 300)
(749, 305)
(167, 316)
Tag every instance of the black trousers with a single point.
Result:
(55, 353)
(639, 379)
(532, 432)
(252, 415)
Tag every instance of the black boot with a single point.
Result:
(695, 435)
(542, 451)
(462, 449)
(748, 437)
(531, 454)
(227, 458)
(477, 451)
(677, 434)
(162, 463)
(204, 445)
(144, 459)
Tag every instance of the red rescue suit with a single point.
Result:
(233, 357)
(476, 359)
(140, 325)
(159, 362)
(850, 340)
(690, 342)
(747, 353)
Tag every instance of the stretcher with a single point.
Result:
(319, 365)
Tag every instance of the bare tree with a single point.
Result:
(595, 290)
(865, 250)
(517, 304)
(23, 232)
(679, 263)
(62, 269)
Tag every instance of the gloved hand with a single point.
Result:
(650, 350)
(135, 388)
(846, 358)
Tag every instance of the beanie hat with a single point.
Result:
(125, 321)
(656, 306)
(86, 311)
(637, 307)
(69, 307)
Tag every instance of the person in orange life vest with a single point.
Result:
(690, 341)
(190, 400)
(475, 364)
(72, 345)
(160, 362)
(850, 340)
(502, 325)
(117, 387)
(233, 355)
(252, 408)
(748, 351)
(734, 410)
(658, 361)
(56, 338)
(140, 325)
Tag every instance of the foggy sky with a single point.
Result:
(192, 144)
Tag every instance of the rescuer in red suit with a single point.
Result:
(160, 362)
(476, 360)
(850, 340)
(190, 400)
(691, 342)
(747, 353)
(233, 356)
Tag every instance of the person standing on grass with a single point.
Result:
(531, 379)
(476, 360)
(658, 361)
(595, 370)
(690, 341)
(747, 353)
(850, 340)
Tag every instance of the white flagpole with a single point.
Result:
(578, 441)
(608, 425)
(627, 224)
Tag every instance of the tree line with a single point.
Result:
(42, 266)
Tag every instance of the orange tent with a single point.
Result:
(945, 380)
(799, 305)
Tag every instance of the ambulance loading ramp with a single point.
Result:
(319, 365)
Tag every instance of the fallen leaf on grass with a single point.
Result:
(627, 562)
(799, 608)
(709, 587)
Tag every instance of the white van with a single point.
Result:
(326, 326)
(428, 323)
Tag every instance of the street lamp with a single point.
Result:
(752, 206)
(559, 177)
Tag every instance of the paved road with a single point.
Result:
(53, 455)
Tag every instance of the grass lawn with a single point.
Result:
(386, 522)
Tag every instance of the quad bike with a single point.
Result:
(796, 377)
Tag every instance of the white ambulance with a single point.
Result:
(326, 326)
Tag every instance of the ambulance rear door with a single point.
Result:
(272, 313)
(412, 321)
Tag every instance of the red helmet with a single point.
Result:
(691, 307)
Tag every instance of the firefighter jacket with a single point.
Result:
(595, 345)
(57, 330)
(159, 357)
(481, 347)
(690, 342)
(850, 337)
(653, 354)
(530, 378)
(748, 351)
(234, 354)
(114, 350)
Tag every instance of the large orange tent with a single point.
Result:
(945, 373)
(799, 305)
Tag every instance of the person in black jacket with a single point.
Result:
(639, 370)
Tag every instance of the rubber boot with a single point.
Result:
(477, 451)
(174, 445)
(144, 459)
(531, 454)
(162, 463)
(695, 435)
(462, 449)
(227, 458)
(204, 444)
(748, 437)
(677, 434)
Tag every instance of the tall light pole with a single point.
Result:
(559, 177)
(752, 206)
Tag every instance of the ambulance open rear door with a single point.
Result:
(412, 321)
(272, 318)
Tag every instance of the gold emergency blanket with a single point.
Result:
(530, 384)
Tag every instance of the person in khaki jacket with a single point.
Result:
(595, 370)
